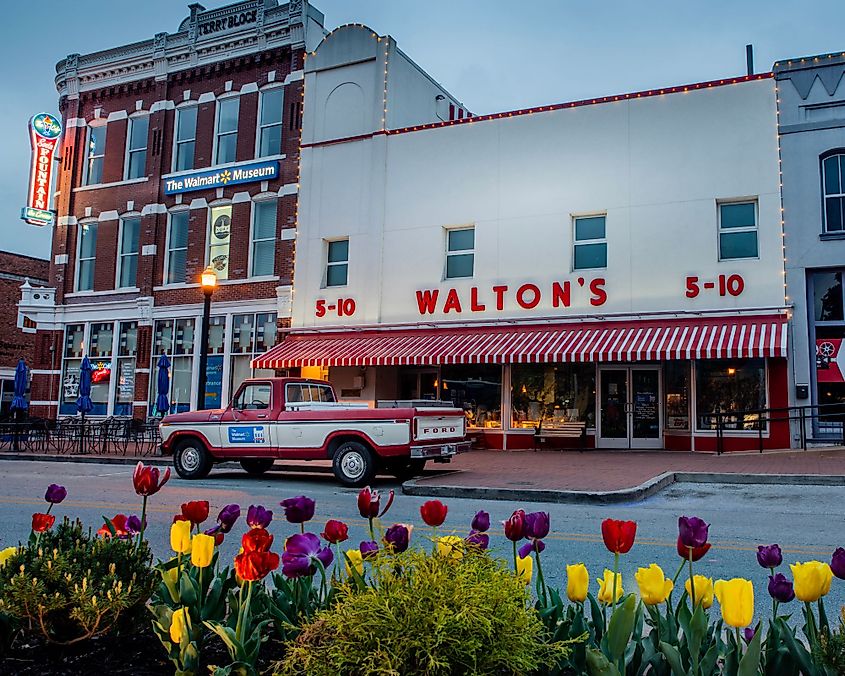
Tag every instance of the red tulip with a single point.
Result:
(335, 531)
(146, 479)
(252, 566)
(195, 511)
(369, 501)
(515, 526)
(42, 522)
(257, 540)
(433, 512)
(697, 552)
(618, 535)
(120, 528)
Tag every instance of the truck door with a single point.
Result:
(247, 423)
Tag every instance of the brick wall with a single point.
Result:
(14, 269)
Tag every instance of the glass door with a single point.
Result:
(630, 407)
(613, 408)
(646, 427)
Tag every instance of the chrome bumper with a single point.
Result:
(440, 450)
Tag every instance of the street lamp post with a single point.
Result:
(208, 281)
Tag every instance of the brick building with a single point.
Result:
(178, 152)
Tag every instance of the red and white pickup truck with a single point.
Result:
(299, 418)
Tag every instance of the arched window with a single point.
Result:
(833, 190)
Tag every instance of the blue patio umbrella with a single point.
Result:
(163, 385)
(83, 402)
(19, 402)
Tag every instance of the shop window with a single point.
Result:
(127, 256)
(177, 247)
(737, 230)
(174, 338)
(460, 253)
(676, 379)
(590, 247)
(136, 146)
(270, 122)
(73, 349)
(830, 376)
(544, 396)
(827, 296)
(735, 388)
(96, 154)
(87, 257)
(263, 238)
(227, 130)
(218, 240)
(833, 183)
(100, 354)
(127, 350)
(186, 138)
(337, 262)
(252, 336)
(477, 389)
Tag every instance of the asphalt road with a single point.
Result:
(806, 521)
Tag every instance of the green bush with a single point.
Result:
(71, 586)
(428, 615)
(832, 647)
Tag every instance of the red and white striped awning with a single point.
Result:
(642, 340)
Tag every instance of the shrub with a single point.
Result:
(832, 647)
(71, 586)
(425, 614)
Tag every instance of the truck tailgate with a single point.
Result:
(432, 426)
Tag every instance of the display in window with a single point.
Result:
(733, 391)
(547, 396)
(676, 376)
(828, 369)
(477, 389)
(220, 236)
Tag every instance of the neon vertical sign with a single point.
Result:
(44, 133)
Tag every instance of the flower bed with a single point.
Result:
(77, 601)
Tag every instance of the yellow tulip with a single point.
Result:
(606, 587)
(179, 624)
(6, 554)
(654, 586)
(577, 582)
(812, 580)
(180, 537)
(202, 550)
(450, 546)
(703, 590)
(525, 569)
(736, 600)
(354, 556)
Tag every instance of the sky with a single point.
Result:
(493, 55)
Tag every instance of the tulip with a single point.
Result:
(618, 536)
(202, 550)
(134, 525)
(42, 522)
(228, 516)
(450, 546)
(120, 525)
(531, 546)
(476, 539)
(610, 583)
(258, 517)
(180, 623)
(398, 537)
(301, 554)
(654, 586)
(736, 601)
(515, 526)
(693, 531)
(837, 563)
(299, 510)
(195, 511)
(525, 570)
(703, 590)
(780, 588)
(748, 634)
(481, 521)
(180, 537)
(6, 554)
(335, 531)
(257, 540)
(696, 553)
(217, 533)
(812, 580)
(55, 494)
(369, 501)
(433, 512)
(368, 549)
(577, 582)
(537, 525)
(146, 479)
(769, 556)
(255, 565)
(354, 557)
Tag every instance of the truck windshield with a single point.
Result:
(253, 397)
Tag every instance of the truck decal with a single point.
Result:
(247, 434)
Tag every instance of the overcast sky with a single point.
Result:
(492, 54)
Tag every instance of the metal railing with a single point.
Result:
(109, 436)
(827, 422)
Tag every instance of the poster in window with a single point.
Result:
(214, 382)
(71, 385)
(126, 381)
(828, 367)
(219, 240)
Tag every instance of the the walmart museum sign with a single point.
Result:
(246, 172)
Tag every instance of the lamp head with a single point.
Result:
(208, 280)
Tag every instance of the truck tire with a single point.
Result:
(256, 466)
(191, 459)
(406, 468)
(353, 464)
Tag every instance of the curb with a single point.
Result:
(638, 493)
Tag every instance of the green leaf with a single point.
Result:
(750, 662)
(596, 617)
(798, 651)
(697, 631)
(620, 627)
(599, 665)
(708, 662)
(228, 636)
(110, 526)
(674, 658)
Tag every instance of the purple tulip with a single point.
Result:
(368, 549)
(537, 525)
(748, 634)
(55, 494)
(228, 516)
(258, 517)
(780, 588)
(769, 556)
(837, 563)
(397, 537)
(480, 540)
(531, 546)
(693, 531)
(481, 521)
(326, 557)
(302, 552)
(133, 524)
(299, 509)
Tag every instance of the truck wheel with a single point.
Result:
(406, 469)
(353, 464)
(191, 460)
(256, 466)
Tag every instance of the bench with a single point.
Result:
(564, 430)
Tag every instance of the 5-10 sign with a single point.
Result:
(342, 307)
(727, 285)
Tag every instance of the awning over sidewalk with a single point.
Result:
(643, 340)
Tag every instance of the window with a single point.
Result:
(833, 169)
(546, 396)
(127, 350)
(86, 258)
(337, 262)
(263, 238)
(737, 230)
(460, 253)
(174, 338)
(227, 130)
(100, 354)
(136, 146)
(296, 393)
(218, 240)
(127, 255)
(827, 296)
(477, 389)
(177, 247)
(254, 397)
(736, 388)
(252, 335)
(186, 137)
(676, 380)
(590, 248)
(74, 346)
(96, 154)
(270, 123)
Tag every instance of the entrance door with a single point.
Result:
(629, 407)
